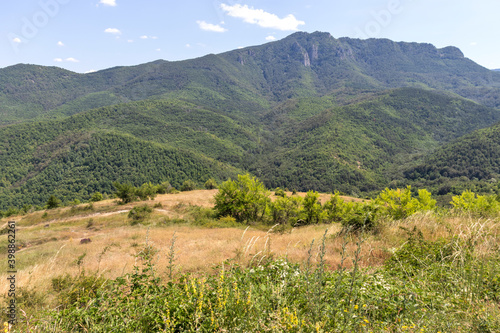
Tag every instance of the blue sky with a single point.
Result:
(87, 35)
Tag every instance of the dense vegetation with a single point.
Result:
(354, 149)
(307, 112)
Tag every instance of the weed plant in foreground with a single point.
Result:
(446, 284)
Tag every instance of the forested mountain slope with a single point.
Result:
(306, 112)
(250, 79)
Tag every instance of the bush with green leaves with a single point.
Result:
(146, 191)
(211, 184)
(279, 192)
(53, 202)
(336, 208)
(139, 213)
(469, 202)
(286, 210)
(312, 211)
(126, 192)
(246, 199)
(97, 196)
(188, 185)
(399, 203)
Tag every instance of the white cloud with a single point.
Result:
(270, 38)
(262, 18)
(59, 43)
(188, 45)
(158, 50)
(66, 60)
(113, 31)
(130, 40)
(111, 3)
(90, 71)
(17, 40)
(210, 27)
(144, 37)
(473, 43)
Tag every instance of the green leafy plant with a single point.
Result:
(469, 202)
(139, 213)
(188, 185)
(53, 202)
(210, 184)
(399, 203)
(97, 196)
(312, 209)
(245, 199)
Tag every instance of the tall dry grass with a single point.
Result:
(53, 250)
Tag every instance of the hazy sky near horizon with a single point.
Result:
(88, 35)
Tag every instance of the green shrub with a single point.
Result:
(286, 210)
(360, 217)
(53, 202)
(469, 202)
(164, 188)
(398, 203)
(10, 212)
(211, 184)
(188, 185)
(336, 208)
(139, 213)
(146, 191)
(97, 196)
(245, 199)
(312, 210)
(279, 192)
(126, 192)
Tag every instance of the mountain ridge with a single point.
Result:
(301, 64)
(307, 112)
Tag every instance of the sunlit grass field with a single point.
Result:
(430, 272)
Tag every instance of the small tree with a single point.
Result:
(211, 184)
(164, 188)
(245, 199)
(53, 202)
(286, 209)
(469, 202)
(126, 192)
(279, 192)
(97, 196)
(312, 208)
(399, 203)
(146, 191)
(336, 208)
(188, 185)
